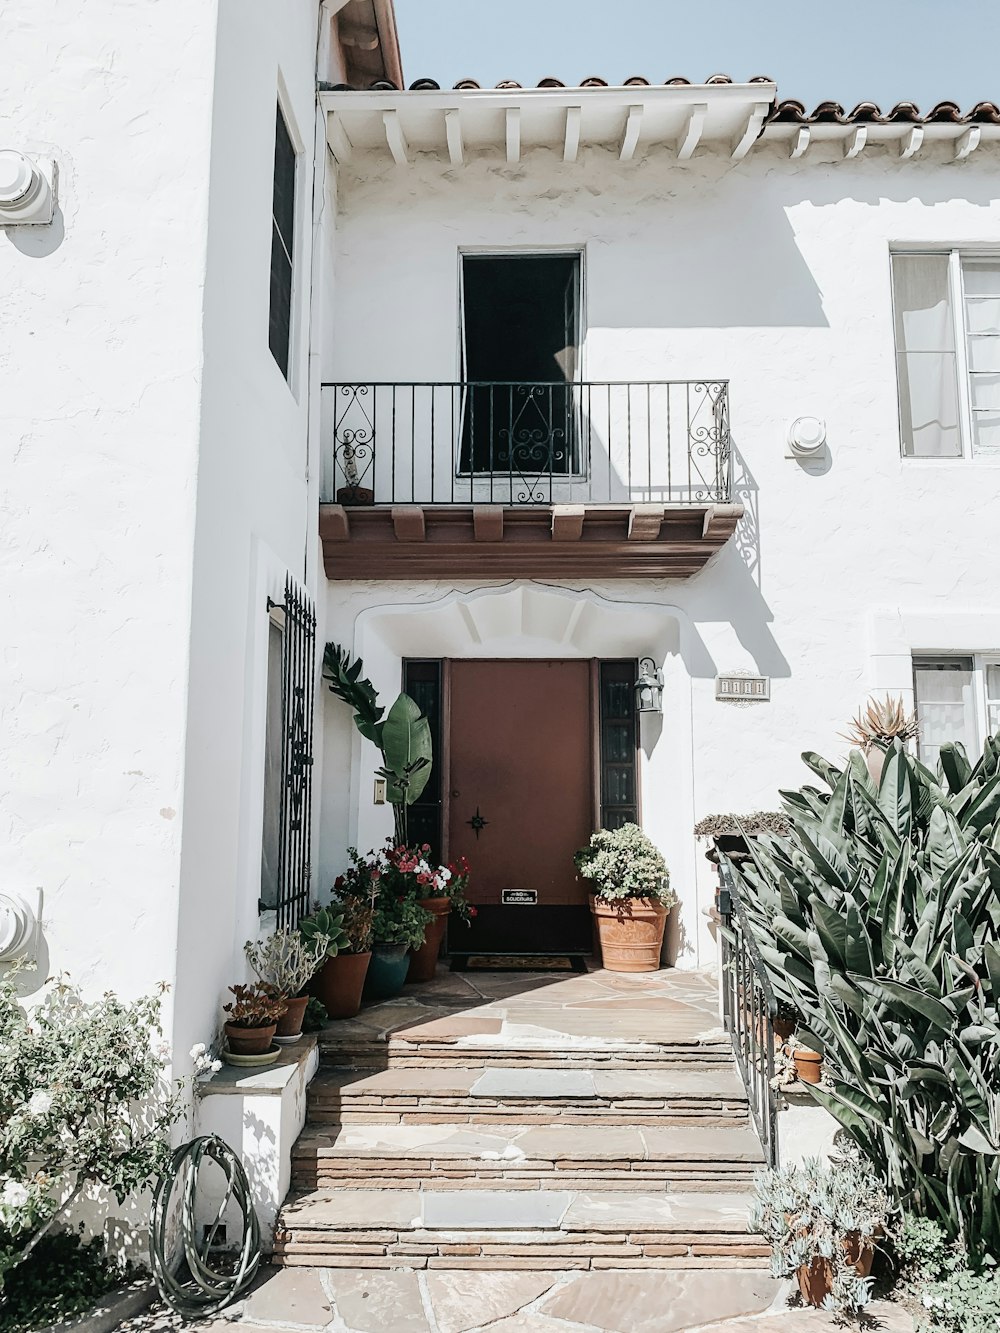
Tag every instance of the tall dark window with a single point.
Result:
(521, 335)
(422, 682)
(619, 743)
(282, 243)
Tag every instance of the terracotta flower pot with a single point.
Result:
(249, 1041)
(808, 1065)
(290, 1022)
(816, 1278)
(630, 932)
(339, 983)
(423, 961)
(387, 973)
(875, 759)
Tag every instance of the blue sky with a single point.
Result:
(924, 51)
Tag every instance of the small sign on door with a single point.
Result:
(519, 897)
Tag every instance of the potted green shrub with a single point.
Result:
(631, 897)
(822, 1223)
(285, 962)
(399, 925)
(253, 1017)
(346, 926)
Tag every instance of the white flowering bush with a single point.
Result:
(83, 1103)
(623, 863)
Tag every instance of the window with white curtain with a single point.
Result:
(957, 699)
(946, 310)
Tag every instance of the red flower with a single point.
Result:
(473, 911)
(338, 883)
(426, 847)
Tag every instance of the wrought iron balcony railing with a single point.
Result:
(476, 442)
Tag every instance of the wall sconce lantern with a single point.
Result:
(649, 688)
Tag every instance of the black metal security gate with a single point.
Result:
(297, 687)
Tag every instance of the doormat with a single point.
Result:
(517, 963)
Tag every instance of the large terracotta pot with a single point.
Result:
(423, 961)
(339, 982)
(290, 1022)
(249, 1041)
(816, 1278)
(387, 972)
(630, 932)
(808, 1065)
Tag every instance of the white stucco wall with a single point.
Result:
(773, 274)
(100, 385)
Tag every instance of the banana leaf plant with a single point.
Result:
(878, 918)
(403, 735)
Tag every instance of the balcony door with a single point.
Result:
(521, 345)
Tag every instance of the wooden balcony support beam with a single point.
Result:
(567, 522)
(487, 523)
(571, 141)
(408, 523)
(691, 136)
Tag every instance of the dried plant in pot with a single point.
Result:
(876, 727)
(286, 962)
(729, 832)
(822, 1222)
(253, 1017)
(631, 897)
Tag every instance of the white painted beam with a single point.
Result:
(911, 142)
(453, 130)
(856, 141)
(513, 119)
(751, 130)
(571, 142)
(691, 135)
(336, 137)
(969, 142)
(801, 141)
(395, 138)
(631, 136)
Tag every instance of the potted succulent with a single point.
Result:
(346, 926)
(631, 897)
(876, 727)
(253, 1016)
(285, 962)
(399, 925)
(729, 832)
(822, 1223)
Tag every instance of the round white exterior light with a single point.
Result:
(26, 189)
(18, 927)
(807, 436)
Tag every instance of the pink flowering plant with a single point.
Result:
(84, 1105)
(399, 872)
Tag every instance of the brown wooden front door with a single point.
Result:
(521, 802)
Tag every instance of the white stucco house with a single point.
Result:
(508, 391)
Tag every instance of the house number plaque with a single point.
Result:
(519, 897)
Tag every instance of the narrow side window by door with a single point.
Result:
(282, 244)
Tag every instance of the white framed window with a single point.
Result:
(946, 317)
(957, 698)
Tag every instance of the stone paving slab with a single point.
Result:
(350, 1300)
(541, 1083)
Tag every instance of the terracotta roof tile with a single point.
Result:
(787, 111)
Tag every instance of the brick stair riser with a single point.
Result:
(627, 1176)
(460, 1111)
(376, 1055)
(518, 1249)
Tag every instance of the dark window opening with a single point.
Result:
(619, 744)
(422, 682)
(282, 244)
(521, 335)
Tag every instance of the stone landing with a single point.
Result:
(527, 1122)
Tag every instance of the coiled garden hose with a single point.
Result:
(205, 1290)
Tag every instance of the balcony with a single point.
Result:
(491, 479)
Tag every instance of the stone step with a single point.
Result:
(558, 1156)
(517, 1229)
(528, 1096)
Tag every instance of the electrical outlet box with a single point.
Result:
(379, 796)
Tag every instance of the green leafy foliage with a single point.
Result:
(400, 921)
(938, 1280)
(403, 736)
(83, 1102)
(63, 1277)
(821, 1212)
(326, 925)
(315, 1017)
(623, 863)
(878, 918)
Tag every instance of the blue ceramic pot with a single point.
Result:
(386, 971)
